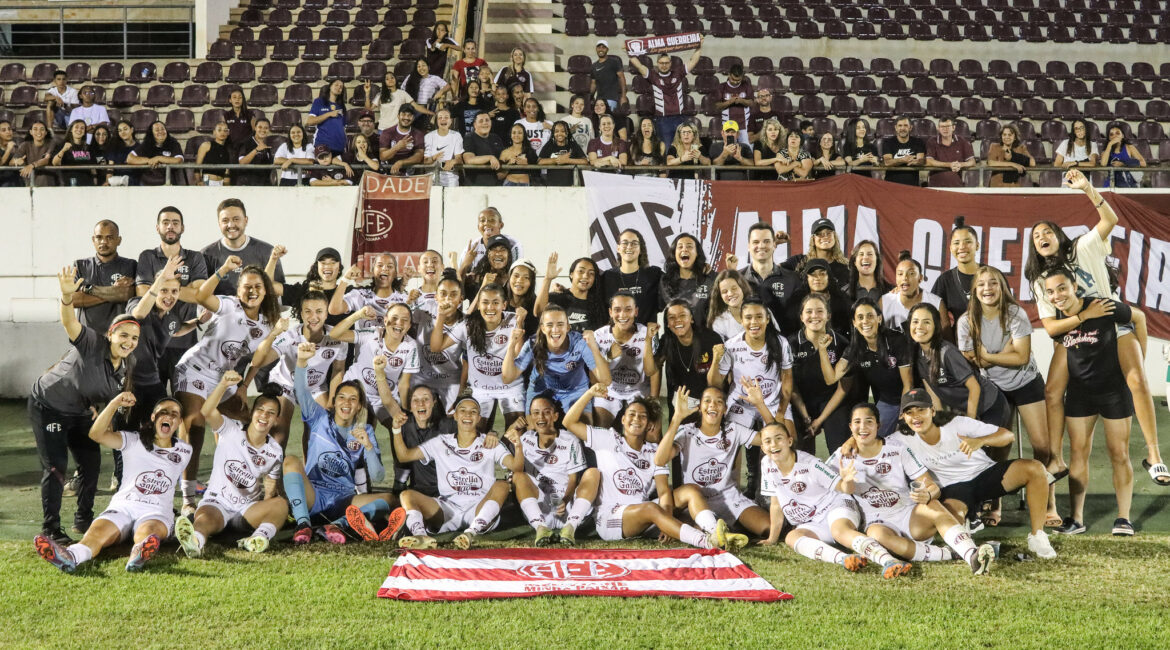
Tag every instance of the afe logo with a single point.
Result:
(232, 350)
(798, 487)
(573, 570)
(376, 225)
(501, 339)
(327, 353)
(883, 468)
(395, 362)
(256, 333)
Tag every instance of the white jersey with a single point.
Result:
(551, 467)
(627, 475)
(366, 297)
(882, 482)
(627, 371)
(463, 473)
(149, 477)
(441, 371)
(484, 369)
(316, 371)
(807, 492)
(944, 459)
(740, 360)
(894, 313)
(707, 460)
(402, 360)
(230, 336)
(238, 467)
(427, 302)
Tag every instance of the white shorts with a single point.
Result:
(291, 395)
(233, 517)
(548, 503)
(608, 520)
(896, 519)
(509, 403)
(128, 516)
(194, 379)
(613, 402)
(727, 504)
(459, 512)
(845, 508)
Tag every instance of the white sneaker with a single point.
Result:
(1038, 543)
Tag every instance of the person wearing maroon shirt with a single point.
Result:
(467, 67)
(735, 100)
(334, 174)
(668, 86)
(950, 152)
(402, 145)
(761, 112)
(607, 150)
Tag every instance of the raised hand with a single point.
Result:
(752, 390)
(598, 390)
(369, 313)
(651, 329)
(232, 263)
(70, 283)
(281, 326)
(305, 351)
(1075, 179)
(171, 267)
(126, 399)
(731, 261)
(590, 338)
(552, 270)
(278, 252)
(412, 297)
(359, 433)
(717, 352)
(230, 378)
(353, 274)
(521, 315)
(682, 404)
(400, 419)
(379, 363)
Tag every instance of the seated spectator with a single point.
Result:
(761, 113)
(402, 145)
(101, 145)
(1077, 148)
(359, 156)
(808, 134)
(735, 100)
(515, 74)
(766, 152)
(328, 114)
(519, 96)
(256, 152)
(469, 66)
(88, 112)
(241, 123)
(730, 151)
(156, 149)
(537, 129)
(646, 149)
(332, 174)
(60, 99)
(295, 151)
(903, 149)
(428, 90)
(579, 124)
(1009, 153)
(438, 45)
(951, 152)
(606, 150)
(463, 114)
(444, 147)
(827, 160)
(35, 152)
(74, 150)
(518, 152)
(503, 113)
(858, 149)
(118, 153)
(387, 98)
(607, 79)
(685, 151)
(365, 125)
(482, 147)
(9, 176)
(215, 151)
(486, 86)
(1119, 152)
(795, 161)
(561, 149)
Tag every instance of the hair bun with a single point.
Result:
(904, 255)
(272, 389)
(960, 221)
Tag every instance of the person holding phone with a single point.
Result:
(730, 151)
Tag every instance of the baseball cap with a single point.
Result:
(525, 262)
(731, 125)
(821, 224)
(917, 397)
(328, 252)
(498, 240)
(602, 42)
(407, 108)
(814, 263)
(366, 114)
(321, 150)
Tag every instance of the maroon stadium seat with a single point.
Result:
(176, 72)
(241, 72)
(1127, 109)
(923, 128)
(975, 32)
(909, 106)
(180, 121)
(309, 18)
(297, 95)
(223, 95)
(124, 96)
(342, 70)
(241, 35)
(987, 87)
(1161, 89)
(1016, 87)
(801, 84)
(876, 106)
(380, 50)
(395, 18)
(141, 119)
(925, 87)
(1053, 131)
(330, 35)
(23, 97)
(942, 68)
(263, 95)
(836, 29)
(349, 51)
(1106, 89)
(251, 17)
(808, 29)
(770, 82)
(606, 27)
(1076, 89)
(833, 85)
(283, 118)
(1116, 71)
(863, 86)
(956, 87)
(820, 66)
(1143, 70)
(579, 84)
(360, 35)
(1086, 71)
(221, 50)
(337, 18)
(195, 95)
(12, 73)
(892, 31)
(1150, 131)
(159, 96)
(300, 36)
(285, 51)
(109, 73)
(790, 65)
(844, 106)
(637, 27)
(366, 17)
(1096, 109)
(271, 35)
(273, 72)
(1035, 108)
(1135, 89)
(579, 64)
(851, 66)
(1065, 109)
(403, 68)
(315, 51)
(987, 129)
(254, 51)
(209, 72)
(726, 62)
(972, 108)
(77, 73)
(373, 70)
(412, 50)
(42, 74)
(279, 17)
(1005, 108)
(971, 69)
(1029, 69)
(940, 107)
(882, 67)
(894, 87)
(864, 30)
(307, 72)
(779, 29)
(210, 119)
(99, 94)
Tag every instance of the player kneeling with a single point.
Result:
(624, 477)
(242, 489)
(469, 495)
(805, 492)
(708, 448)
(553, 461)
(899, 518)
(153, 461)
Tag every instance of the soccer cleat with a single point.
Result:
(331, 533)
(359, 524)
(1038, 543)
(418, 542)
(974, 526)
(254, 544)
(1122, 527)
(1070, 527)
(58, 536)
(465, 540)
(718, 537)
(896, 569)
(188, 510)
(393, 525)
(544, 536)
(185, 533)
(736, 542)
(981, 561)
(854, 562)
(302, 535)
(53, 553)
(142, 552)
(567, 536)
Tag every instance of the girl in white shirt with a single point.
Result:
(295, 151)
(445, 147)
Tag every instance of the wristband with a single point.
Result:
(1100, 203)
(397, 431)
(219, 275)
(67, 303)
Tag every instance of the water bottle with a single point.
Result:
(146, 73)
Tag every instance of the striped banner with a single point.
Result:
(525, 572)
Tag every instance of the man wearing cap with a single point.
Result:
(824, 243)
(667, 85)
(735, 100)
(607, 80)
(331, 175)
(731, 151)
(402, 145)
(367, 126)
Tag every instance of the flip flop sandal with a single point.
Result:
(1053, 521)
(1158, 472)
(991, 518)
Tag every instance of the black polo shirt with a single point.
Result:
(152, 342)
(97, 273)
(880, 368)
(423, 477)
(152, 260)
(84, 377)
(775, 290)
(807, 376)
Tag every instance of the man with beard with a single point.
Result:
(402, 145)
(233, 222)
(109, 279)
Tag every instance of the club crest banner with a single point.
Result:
(392, 216)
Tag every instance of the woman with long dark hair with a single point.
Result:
(582, 301)
(725, 313)
(297, 150)
(386, 288)
(158, 148)
(953, 286)
(390, 339)
(471, 104)
(518, 152)
(439, 44)
(634, 276)
(241, 123)
(1120, 152)
(561, 149)
(821, 405)
(686, 350)
(1077, 148)
(858, 148)
(907, 293)
(580, 126)
(75, 150)
(628, 347)
(646, 148)
(816, 277)
(865, 273)
(492, 268)
(827, 161)
(1009, 153)
(881, 357)
(766, 150)
(328, 114)
(217, 151)
(520, 292)
(687, 276)
(35, 152)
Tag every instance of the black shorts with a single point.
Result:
(984, 487)
(1029, 393)
(998, 412)
(1080, 402)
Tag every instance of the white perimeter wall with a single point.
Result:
(48, 228)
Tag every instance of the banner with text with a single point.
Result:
(897, 217)
(666, 43)
(392, 216)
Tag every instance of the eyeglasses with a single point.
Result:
(628, 244)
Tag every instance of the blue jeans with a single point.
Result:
(890, 414)
(667, 125)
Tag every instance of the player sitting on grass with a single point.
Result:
(153, 460)
(553, 462)
(902, 519)
(806, 492)
(469, 494)
(323, 486)
(244, 475)
(624, 477)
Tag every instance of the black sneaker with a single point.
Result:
(1122, 527)
(58, 536)
(80, 527)
(1070, 527)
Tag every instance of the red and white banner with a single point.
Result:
(525, 572)
(393, 216)
(666, 43)
(897, 217)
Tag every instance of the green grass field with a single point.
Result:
(1101, 592)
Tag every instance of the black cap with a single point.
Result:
(498, 240)
(821, 224)
(407, 108)
(917, 397)
(328, 252)
(813, 263)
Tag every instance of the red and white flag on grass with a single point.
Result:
(524, 572)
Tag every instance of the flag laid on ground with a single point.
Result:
(524, 572)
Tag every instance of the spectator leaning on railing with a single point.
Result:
(256, 152)
(482, 147)
(903, 149)
(402, 145)
(157, 148)
(951, 152)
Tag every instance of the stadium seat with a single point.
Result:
(925, 87)
(99, 94)
(78, 73)
(372, 70)
(1000, 69)
(812, 106)
(972, 108)
(241, 72)
(366, 17)
(894, 87)
(176, 72)
(349, 51)
(124, 96)
(1135, 89)
(337, 18)
(142, 119)
(987, 87)
(31, 117)
(876, 106)
(297, 95)
(300, 36)
(779, 29)
(315, 51)
(836, 29)
(892, 31)
(820, 66)
(1096, 109)
(1047, 89)
(1144, 71)
(380, 50)
(307, 72)
(770, 82)
(159, 96)
(923, 128)
(402, 69)
(851, 66)
(412, 50)
(864, 31)
(223, 95)
(844, 106)
(142, 72)
(942, 68)
(208, 72)
(180, 121)
(1005, 108)
(251, 17)
(579, 64)
(1150, 131)
(1034, 108)
(221, 50)
(1016, 87)
(940, 107)
(1076, 89)
(210, 119)
(1161, 88)
(833, 85)
(726, 62)
(283, 118)
(707, 105)
(1116, 71)
(757, 65)
(287, 51)
(279, 17)
(109, 73)
(1127, 110)
(909, 106)
(342, 70)
(1065, 109)
(579, 84)
(273, 72)
(882, 67)
(1106, 89)
(790, 65)
(1053, 131)
(971, 69)
(271, 35)
(330, 35)
(241, 35)
(956, 87)
(254, 51)
(42, 74)
(309, 18)
(23, 97)
(801, 84)
(262, 95)
(808, 29)
(1086, 71)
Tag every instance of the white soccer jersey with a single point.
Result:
(463, 473)
(359, 298)
(317, 370)
(149, 477)
(740, 360)
(238, 467)
(944, 459)
(627, 371)
(808, 491)
(707, 460)
(426, 302)
(895, 314)
(551, 467)
(484, 369)
(627, 475)
(882, 482)
(229, 337)
(403, 360)
(441, 371)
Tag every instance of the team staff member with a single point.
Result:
(109, 278)
(233, 223)
(155, 313)
(773, 284)
(824, 245)
(63, 401)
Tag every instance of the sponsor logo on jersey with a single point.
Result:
(628, 482)
(627, 376)
(638, 461)
(573, 570)
(767, 386)
(172, 457)
(314, 377)
(798, 513)
(880, 498)
(709, 472)
(570, 366)
(153, 483)
(198, 384)
(547, 485)
(233, 350)
(501, 339)
(332, 464)
(883, 468)
(368, 377)
(1077, 337)
(488, 364)
(239, 474)
(798, 487)
(464, 482)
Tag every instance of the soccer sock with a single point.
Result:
(265, 530)
(688, 534)
(415, 523)
(294, 487)
(487, 514)
(201, 539)
(579, 511)
(706, 520)
(924, 552)
(959, 539)
(190, 489)
(872, 550)
(375, 508)
(80, 552)
(815, 549)
(531, 510)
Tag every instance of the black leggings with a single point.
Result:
(57, 437)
